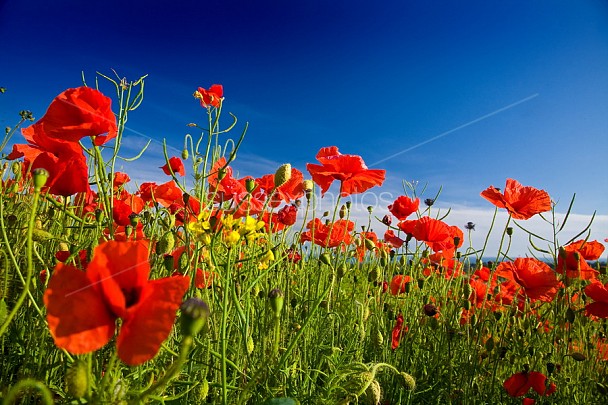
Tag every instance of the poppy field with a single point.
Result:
(208, 286)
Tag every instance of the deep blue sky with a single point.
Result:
(373, 78)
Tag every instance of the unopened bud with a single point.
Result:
(40, 177)
(509, 231)
(282, 175)
(276, 298)
(77, 379)
(250, 185)
(195, 313)
(386, 220)
(185, 154)
(325, 258)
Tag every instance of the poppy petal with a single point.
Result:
(77, 316)
(148, 325)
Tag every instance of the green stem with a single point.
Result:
(28, 383)
(30, 264)
(173, 370)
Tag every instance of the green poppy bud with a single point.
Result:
(77, 379)
(282, 175)
(409, 383)
(166, 243)
(40, 177)
(195, 313)
(185, 154)
(276, 298)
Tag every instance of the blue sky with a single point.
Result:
(464, 94)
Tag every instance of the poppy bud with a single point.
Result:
(550, 368)
(221, 173)
(369, 244)
(578, 356)
(185, 154)
(374, 274)
(77, 380)
(167, 261)
(195, 313)
(282, 175)
(430, 310)
(509, 231)
(377, 339)
(325, 258)
(16, 168)
(250, 185)
(370, 209)
(490, 344)
(570, 315)
(374, 392)
(166, 243)
(134, 219)
(408, 382)
(250, 345)
(276, 298)
(203, 390)
(182, 262)
(456, 241)
(343, 212)
(429, 202)
(3, 310)
(40, 177)
(386, 220)
(341, 270)
(307, 185)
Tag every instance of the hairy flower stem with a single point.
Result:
(173, 370)
(26, 385)
(30, 265)
(277, 336)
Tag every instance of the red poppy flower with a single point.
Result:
(398, 284)
(82, 307)
(403, 207)
(536, 278)
(521, 202)
(350, 170)
(392, 239)
(328, 235)
(187, 210)
(599, 293)
(81, 258)
(211, 97)
(288, 215)
(288, 192)
(75, 114)
(435, 233)
(164, 194)
(64, 161)
(398, 331)
(176, 165)
(363, 247)
(519, 384)
(120, 179)
(573, 258)
(204, 279)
